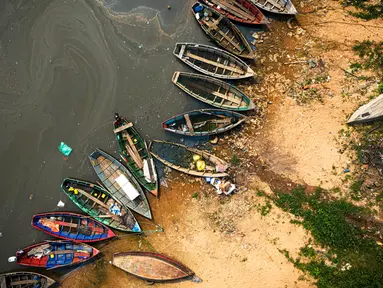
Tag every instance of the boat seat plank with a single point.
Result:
(224, 36)
(59, 252)
(3, 283)
(215, 23)
(218, 94)
(94, 199)
(74, 225)
(275, 4)
(189, 124)
(123, 127)
(23, 282)
(182, 50)
(191, 55)
(228, 97)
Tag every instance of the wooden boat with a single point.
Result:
(222, 31)
(136, 154)
(212, 61)
(120, 182)
(276, 6)
(369, 112)
(25, 279)
(71, 226)
(150, 266)
(203, 122)
(101, 205)
(213, 91)
(215, 167)
(242, 11)
(55, 254)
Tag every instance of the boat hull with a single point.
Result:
(369, 112)
(213, 91)
(248, 13)
(212, 61)
(137, 170)
(97, 202)
(152, 267)
(71, 226)
(25, 280)
(220, 166)
(276, 6)
(120, 182)
(204, 122)
(222, 31)
(55, 254)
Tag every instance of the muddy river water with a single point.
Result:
(65, 67)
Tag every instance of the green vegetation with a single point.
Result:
(351, 259)
(235, 160)
(371, 53)
(355, 189)
(366, 9)
(195, 195)
(261, 193)
(265, 209)
(355, 67)
(380, 88)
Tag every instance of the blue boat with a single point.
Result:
(55, 254)
(71, 226)
(203, 122)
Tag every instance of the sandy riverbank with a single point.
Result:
(227, 242)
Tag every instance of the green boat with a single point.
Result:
(213, 91)
(117, 179)
(101, 205)
(135, 153)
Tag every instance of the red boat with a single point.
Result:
(54, 254)
(71, 226)
(242, 11)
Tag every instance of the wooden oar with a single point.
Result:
(132, 150)
(102, 204)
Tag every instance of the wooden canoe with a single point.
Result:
(242, 11)
(217, 166)
(276, 6)
(213, 91)
(212, 61)
(120, 182)
(150, 266)
(71, 226)
(369, 112)
(222, 31)
(135, 153)
(203, 122)
(101, 205)
(55, 254)
(25, 279)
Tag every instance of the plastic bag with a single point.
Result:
(65, 149)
